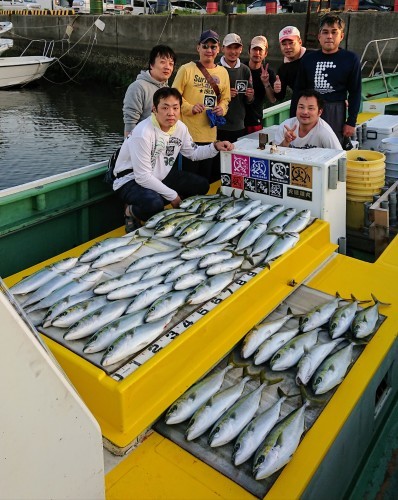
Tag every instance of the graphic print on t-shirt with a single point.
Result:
(321, 83)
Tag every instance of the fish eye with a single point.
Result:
(260, 460)
(236, 447)
(94, 337)
(172, 409)
(277, 356)
(217, 429)
(110, 348)
(304, 320)
(318, 381)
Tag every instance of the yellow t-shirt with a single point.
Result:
(195, 89)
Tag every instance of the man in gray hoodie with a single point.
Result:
(138, 101)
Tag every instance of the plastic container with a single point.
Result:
(211, 7)
(351, 5)
(378, 128)
(389, 147)
(271, 8)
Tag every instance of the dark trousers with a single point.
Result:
(334, 113)
(204, 168)
(146, 202)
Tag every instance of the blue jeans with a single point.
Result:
(146, 202)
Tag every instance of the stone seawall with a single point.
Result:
(114, 54)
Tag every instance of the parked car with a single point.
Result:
(187, 6)
(259, 7)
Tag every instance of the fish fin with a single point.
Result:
(283, 394)
(308, 396)
(379, 301)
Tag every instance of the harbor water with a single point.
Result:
(49, 129)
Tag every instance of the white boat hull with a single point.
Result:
(22, 70)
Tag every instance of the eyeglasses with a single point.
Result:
(212, 47)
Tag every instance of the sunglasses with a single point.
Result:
(212, 47)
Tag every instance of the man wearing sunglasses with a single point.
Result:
(198, 96)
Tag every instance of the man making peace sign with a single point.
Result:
(263, 82)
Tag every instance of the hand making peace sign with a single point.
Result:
(290, 134)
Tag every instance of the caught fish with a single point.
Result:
(76, 286)
(214, 258)
(57, 282)
(101, 247)
(150, 260)
(250, 236)
(134, 289)
(186, 267)
(364, 322)
(284, 242)
(318, 315)
(63, 304)
(218, 229)
(148, 296)
(152, 221)
(41, 277)
(189, 280)
(116, 255)
(232, 231)
(269, 214)
(270, 346)
(106, 335)
(201, 251)
(77, 311)
(279, 445)
(211, 411)
(255, 432)
(299, 222)
(312, 358)
(212, 208)
(341, 319)
(230, 424)
(169, 227)
(167, 304)
(290, 354)
(245, 207)
(282, 218)
(252, 214)
(266, 240)
(186, 405)
(196, 230)
(332, 371)
(134, 340)
(261, 332)
(162, 268)
(96, 320)
(124, 279)
(227, 265)
(210, 288)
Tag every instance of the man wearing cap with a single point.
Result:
(336, 74)
(263, 81)
(199, 95)
(292, 51)
(241, 89)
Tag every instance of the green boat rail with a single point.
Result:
(46, 217)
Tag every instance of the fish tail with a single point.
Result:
(379, 301)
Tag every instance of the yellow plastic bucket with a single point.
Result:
(365, 178)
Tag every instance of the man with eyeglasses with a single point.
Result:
(292, 51)
(263, 80)
(336, 74)
(199, 96)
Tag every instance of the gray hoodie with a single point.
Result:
(137, 104)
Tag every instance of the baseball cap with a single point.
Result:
(288, 32)
(232, 38)
(209, 35)
(259, 41)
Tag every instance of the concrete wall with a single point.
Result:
(127, 40)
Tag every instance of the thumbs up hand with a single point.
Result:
(277, 85)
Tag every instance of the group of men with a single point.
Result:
(212, 104)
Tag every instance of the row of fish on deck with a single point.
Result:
(306, 348)
(211, 240)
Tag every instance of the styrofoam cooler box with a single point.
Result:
(378, 128)
(271, 131)
(298, 178)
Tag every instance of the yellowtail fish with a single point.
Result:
(39, 278)
(77, 311)
(116, 255)
(186, 405)
(210, 288)
(270, 346)
(279, 445)
(290, 354)
(332, 371)
(319, 315)
(364, 322)
(63, 304)
(299, 222)
(103, 246)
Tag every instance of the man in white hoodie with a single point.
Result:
(138, 101)
(147, 175)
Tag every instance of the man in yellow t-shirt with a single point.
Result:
(198, 96)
